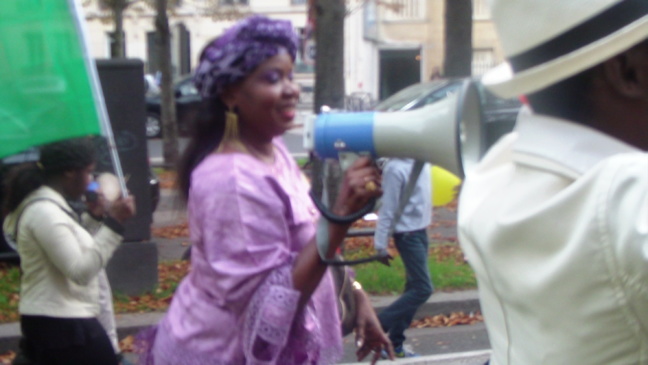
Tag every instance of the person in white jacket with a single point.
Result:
(60, 259)
(554, 219)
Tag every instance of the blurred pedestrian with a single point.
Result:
(60, 260)
(436, 74)
(258, 291)
(554, 219)
(411, 240)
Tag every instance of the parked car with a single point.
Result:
(499, 114)
(151, 87)
(7, 253)
(187, 105)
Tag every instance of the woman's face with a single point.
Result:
(266, 100)
(78, 181)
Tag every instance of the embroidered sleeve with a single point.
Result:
(269, 316)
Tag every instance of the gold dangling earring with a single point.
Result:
(231, 132)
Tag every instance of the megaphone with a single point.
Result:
(109, 185)
(447, 133)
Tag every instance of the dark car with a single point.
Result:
(499, 114)
(187, 106)
(8, 253)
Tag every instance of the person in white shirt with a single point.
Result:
(60, 260)
(554, 219)
(411, 240)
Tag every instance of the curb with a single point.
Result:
(475, 357)
(130, 324)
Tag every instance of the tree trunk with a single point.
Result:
(329, 57)
(458, 38)
(329, 81)
(169, 125)
(118, 18)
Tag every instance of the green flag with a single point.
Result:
(48, 84)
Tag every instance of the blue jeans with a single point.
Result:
(413, 249)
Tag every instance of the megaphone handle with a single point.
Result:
(339, 219)
(322, 240)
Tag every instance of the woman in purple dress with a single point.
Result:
(258, 292)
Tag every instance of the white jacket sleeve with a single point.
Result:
(68, 245)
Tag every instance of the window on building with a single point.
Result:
(152, 58)
(234, 2)
(480, 9)
(483, 60)
(305, 60)
(403, 10)
(112, 44)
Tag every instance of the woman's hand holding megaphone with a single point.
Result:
(107, 198)
(361, 183)
(122, 209)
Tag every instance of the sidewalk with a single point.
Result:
(129, 324)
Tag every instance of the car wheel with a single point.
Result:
(153, 125)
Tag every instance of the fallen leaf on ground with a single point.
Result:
(167, 179)
(126, 344)
(179, 230)
(170, 274)
(442, 320)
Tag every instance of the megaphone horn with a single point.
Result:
(447, 133)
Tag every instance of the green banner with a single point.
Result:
(48, 87)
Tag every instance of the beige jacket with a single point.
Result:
(554, 222)
(60, 260)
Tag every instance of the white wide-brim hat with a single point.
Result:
(546, 41)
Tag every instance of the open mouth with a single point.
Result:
(288, 112)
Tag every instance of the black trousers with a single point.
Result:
(66, 341)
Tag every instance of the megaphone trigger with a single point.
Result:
(346, 159)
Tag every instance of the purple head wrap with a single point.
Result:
(235, 54)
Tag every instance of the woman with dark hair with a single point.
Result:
(258, 291)
(60, 260)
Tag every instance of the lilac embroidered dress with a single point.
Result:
(248, 222)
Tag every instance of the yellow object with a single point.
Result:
(231, 132)
(443, 186)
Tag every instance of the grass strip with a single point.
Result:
(448, 270)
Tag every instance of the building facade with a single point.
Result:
(388, 44)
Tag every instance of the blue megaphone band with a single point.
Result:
(337, 132)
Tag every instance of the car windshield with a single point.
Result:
(186, 86)
(410, 97)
